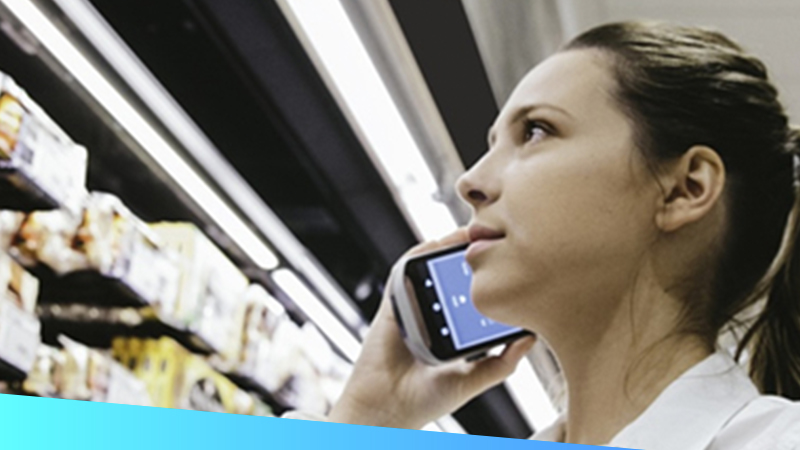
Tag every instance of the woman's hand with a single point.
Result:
(390, 388)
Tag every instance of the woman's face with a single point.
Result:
(566, 202)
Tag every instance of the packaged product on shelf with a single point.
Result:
(19, 336)
(119, 245)
(45, 377)
(284, 368)
(10, 222)
(124, 388)
(158, 363)
(300, 368)
(211, 288)
(17, 285)
(77, 372)
(77, 383)
(19, 327)
(275, 362)
(106, 238)
(331, 370)
(46, 237)
(204, 389)
(177, 378)
(36, 156)
(261, 315)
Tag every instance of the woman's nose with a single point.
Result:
(471, 191)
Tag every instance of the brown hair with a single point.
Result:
(685, 86)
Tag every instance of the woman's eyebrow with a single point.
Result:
(523, 111)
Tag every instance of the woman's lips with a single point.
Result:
(481, 238)
(480, 232)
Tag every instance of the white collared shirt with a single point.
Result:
(712, 406)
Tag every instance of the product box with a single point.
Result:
(259, 316)
(119, 245)
(47, 237)
(17, 285)
(177, 378)
(211, 290)
(156, 362)
(35, 154)
(77, 372)
(19, 336)
(19, 326)
(10, 222)
(103, 239)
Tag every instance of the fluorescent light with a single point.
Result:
(119, 56)
(530, 396)
(388, 140)
(148, 138)
(317, 312)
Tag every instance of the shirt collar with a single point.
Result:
(688, 413)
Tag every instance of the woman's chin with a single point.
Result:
(490, 305)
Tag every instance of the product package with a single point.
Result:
(36, 157)
(45, 237)
(211, 290)
(299, 368)
(17, 285)
(10, 222)
(103, 239)
(77, 372)
(261, 315)
(120, 246)
(19, 337)
(177, 378)
(19, 326)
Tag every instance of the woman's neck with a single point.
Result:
(613, 377)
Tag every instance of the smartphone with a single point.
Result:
(432, 302)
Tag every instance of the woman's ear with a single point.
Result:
(693, 186)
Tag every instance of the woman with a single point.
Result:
(639, 183)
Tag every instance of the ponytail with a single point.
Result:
(684, 86)
(774, 338)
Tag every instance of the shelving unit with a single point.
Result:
(149, 174)
(147, 151)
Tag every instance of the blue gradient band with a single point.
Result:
(34, 423)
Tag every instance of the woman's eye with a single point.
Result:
(535, 131)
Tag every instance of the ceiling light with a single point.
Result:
(374, 115)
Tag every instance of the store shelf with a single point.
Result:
(9, 372)
(278, 406)
(90, 291)
(19, 193)
(97, 326)
(151, 155)
(86, 286)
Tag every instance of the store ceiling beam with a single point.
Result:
(440, 36)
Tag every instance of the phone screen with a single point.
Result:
(442, 284)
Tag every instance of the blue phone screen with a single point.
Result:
(452, 277)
